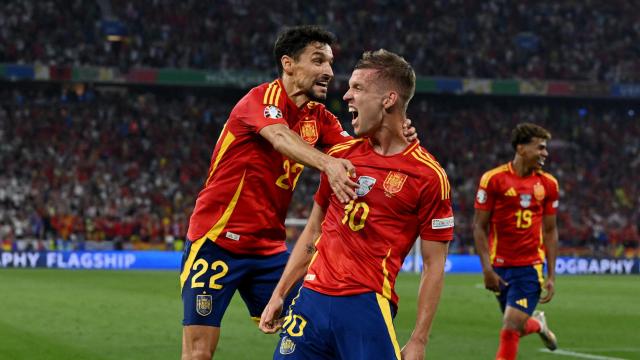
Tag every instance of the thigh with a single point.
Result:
(524, 288)
(258, 284)
(363, 328)
(305, 332)
(210, 276)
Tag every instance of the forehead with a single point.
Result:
(317, 48)
(536, 141)
(363, 76)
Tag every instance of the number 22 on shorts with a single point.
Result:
(201, 267)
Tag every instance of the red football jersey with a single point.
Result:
(364, 243)
(249, 185)
(517, 205)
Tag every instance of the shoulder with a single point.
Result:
(320, 111)
(549, 180)
(430, 168)
(341, 149)
(487, 176)
(265, 98)
(264, 95)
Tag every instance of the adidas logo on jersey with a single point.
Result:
(511, 192)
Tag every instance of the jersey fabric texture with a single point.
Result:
(249, 186)
(517, 205)
(364, 243)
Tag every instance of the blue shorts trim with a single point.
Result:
(320, 326)
(214, 276)
(523, 291)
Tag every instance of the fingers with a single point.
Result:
(268, 324)
(339, 175)
(547, 294)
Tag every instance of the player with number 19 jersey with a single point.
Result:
(517, 205)
(249, 186)
(363, 244)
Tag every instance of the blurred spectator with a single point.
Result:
(127, 167)
(571, 40)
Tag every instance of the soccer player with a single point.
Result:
(354, 252)
(236, 232)
(514, 223)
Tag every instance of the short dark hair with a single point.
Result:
(523, 133)
(392, 67)
(292, 41)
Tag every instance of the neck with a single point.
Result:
(520, 167)
(296, 94)
(389, 139)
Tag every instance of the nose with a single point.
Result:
(347, 96)
(327, 70)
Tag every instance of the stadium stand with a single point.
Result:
(572, 40)
(125, 166)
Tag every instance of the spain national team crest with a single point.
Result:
(525, 200)
(287, 346)
(393, 183)
(366, 184)
(204, 304)
(272, 112)
(309, 131)
(538, 192)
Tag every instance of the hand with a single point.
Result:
(492, 281)
(548, 290)
(413, 350)
(338, 173)
(409, 131)
(270, 320)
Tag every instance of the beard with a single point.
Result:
(318, 97)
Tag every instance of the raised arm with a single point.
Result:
(294, 271)
(291, 145)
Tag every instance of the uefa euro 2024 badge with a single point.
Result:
(272, 112)
(366, 184)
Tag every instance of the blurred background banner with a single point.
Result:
(170, 260)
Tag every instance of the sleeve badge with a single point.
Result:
(272, 112)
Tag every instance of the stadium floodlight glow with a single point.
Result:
(631, 113)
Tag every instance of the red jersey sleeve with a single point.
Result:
(323, 193)
(435, 213)
(257, 115)
(485, 196)
(551, 200)
(332, 132)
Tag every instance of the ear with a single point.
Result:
(390, 100)
(287, 64)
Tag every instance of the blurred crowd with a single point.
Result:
(124, 168)
(570, 40)
(112, 167)
(594, 154)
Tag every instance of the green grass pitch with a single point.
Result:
(58, 314)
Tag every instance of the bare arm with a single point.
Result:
(550, 237)
(292, 146)
(434, 256)
(492, 280)
(295, 269)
